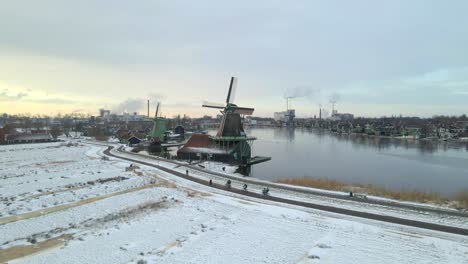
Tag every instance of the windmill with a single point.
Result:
(230, 144)
(231, 123)
(158, 133)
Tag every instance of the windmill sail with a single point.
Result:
(243, 110)
(213, 106)
(232, 90)
(231, 123)
(157, 109)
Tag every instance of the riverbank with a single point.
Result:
(461, 140)
(460, 201)
(451, 139)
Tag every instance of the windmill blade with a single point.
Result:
(157, 109)
(243, 110)
(213, 106)
(232, 90)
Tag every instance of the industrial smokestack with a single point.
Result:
(333, 100)
(148, 108)
(288, 104)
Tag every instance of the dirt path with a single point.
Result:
(78, 187)
(14, 218)
(27, 250)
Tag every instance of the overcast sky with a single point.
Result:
(375, 57)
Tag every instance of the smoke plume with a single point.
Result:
(129, 106)
(299, 92)
(139, 105)
(334, 98)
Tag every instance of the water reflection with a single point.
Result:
(284, 133)
(380, 143)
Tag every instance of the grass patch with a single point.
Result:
(462, 199)
(403, 195)
(26, 250)
(315, 183)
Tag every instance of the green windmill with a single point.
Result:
(158, 133)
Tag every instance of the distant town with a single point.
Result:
(37, 128)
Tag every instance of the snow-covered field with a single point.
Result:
(63, 203)
(238, 181)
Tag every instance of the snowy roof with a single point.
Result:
(205, 150)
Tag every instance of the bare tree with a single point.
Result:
(55, 131)
(8, 128)
(67, 125)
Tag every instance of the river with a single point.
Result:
(392, 163)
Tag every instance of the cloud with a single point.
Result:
(362, 50)
(184, 105)
(446, 86)
(6, 95)
(461, 92)
(21, 95)
(53, 100)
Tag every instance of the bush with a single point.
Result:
(102, 138)
(138, 148)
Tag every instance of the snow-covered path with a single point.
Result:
(176, 221)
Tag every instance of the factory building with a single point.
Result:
(287, 117)
(341, 116)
